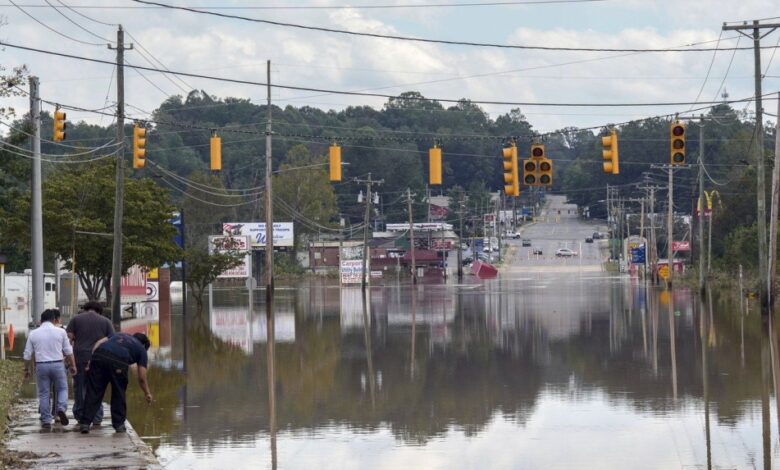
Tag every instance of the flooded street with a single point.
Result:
(541, 371)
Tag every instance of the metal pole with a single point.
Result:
(670, 230)
(366, 218)
(36, 211)
(116, 263)
(702, 287)
(775, 214)
(269, 208)
(411, 234)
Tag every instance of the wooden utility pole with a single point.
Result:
(119, 196)
(269, 205)
(460, 242)
(701, 206)
(758, 147)
(36, 209)
(653, 245)
(775, 213)
(411, 234)
(366, 227)
(670, 229)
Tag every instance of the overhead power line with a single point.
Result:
(425, 40)
(52, 29)
(374, 95)
(350, 7)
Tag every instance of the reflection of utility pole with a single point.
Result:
(270, 353)
(411, 234)
(367, 339)
(673, 345)
(703, 335)
(758, 146)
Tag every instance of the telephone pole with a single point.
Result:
(36, 212)
(366, 226)
(758, 141)
(411, 234)
(670, 229)
(460, 242)
(119, 195)
(702, 286)
(269, 207)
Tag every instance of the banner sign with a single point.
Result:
(681, 246)
(224, 244)
(351, 271)
(283, 232)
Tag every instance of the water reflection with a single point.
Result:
(476, 375)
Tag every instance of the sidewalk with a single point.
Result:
(65, 447)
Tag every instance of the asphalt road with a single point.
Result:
(559, 227)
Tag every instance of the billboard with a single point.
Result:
(220, 243)
(134, 285)
(351, 271)
(283, 232)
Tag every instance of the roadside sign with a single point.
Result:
(638, 255)
(681, 246)
(663, 272)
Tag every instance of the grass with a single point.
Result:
(10, 383)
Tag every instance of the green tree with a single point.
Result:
(78, 208)
(204, 267)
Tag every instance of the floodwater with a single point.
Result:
(578, 371)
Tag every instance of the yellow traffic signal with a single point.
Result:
(545, 172)
(434, 165)
(58, 132)
(139, 147)
(511, 180)
(334, 154)
(610, 153)
(216, 152)
(537, 151)
(677, 143)
(529, 171)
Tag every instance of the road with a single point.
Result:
(558, 227)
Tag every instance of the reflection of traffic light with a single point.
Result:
(58, 132)
(677, 143)
(610, 153)
(216, 152)
(512, 185)
(545, 172)
(529, 172)
(334, 154)
(139, 147)
(434, 165)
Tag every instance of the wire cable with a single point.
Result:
(85, 16)
(77, 24)
(159, 64)
(52, 29)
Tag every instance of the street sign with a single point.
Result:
(663, 272)
(638, 255)
(681, 246)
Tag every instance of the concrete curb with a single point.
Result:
(64, 447)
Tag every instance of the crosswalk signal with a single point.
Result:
(434, 165)
(545, 172)
(677, 143)
(216, 152)
(610, 153)
(529, 171)
(58, 132)
(334, 162)
(511, 183)
(139, 147)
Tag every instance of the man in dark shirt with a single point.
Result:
(110, 362)
(84, 330)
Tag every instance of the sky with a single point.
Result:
(196, 43)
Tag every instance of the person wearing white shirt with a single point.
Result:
(50, 346)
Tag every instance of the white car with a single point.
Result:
(565, 253)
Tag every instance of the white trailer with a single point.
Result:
(17, 299)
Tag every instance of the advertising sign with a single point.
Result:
(351, 271)
(681, 246)
(227, 243)
(638, 255)
(134, 285)
(283, 232)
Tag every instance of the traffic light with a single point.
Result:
(545, 172)
(139, 147)
(58, 132)
(610, 153)
(529, 171)
(677, 143)
(216, 152)
(512, 185)
(334, 154)
(537, 151)
(434, 165)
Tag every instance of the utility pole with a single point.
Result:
(269, 207)
(366, 223)
(460, 242)
(119, 194)
(702, 287)
(758, 147)
(411, 234)
(36, 211)
(642, 233)
(498, 224)
(670, 229)
(653, 245)
(774, 211)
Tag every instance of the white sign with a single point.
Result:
(283, 232)
(241, 244)
(152, 291)
(420, 227)
(351, 271)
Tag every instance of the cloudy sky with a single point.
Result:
(197, 43)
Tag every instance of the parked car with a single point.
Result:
(485, 258)
(526, 242)
(565, 253)
(537, 251)
(596, 236)
(588, 240)
(467, 260)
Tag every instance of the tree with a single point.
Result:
(78, 217)
(203, 268)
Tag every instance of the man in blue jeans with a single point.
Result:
(86, 329)
(50, 346)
